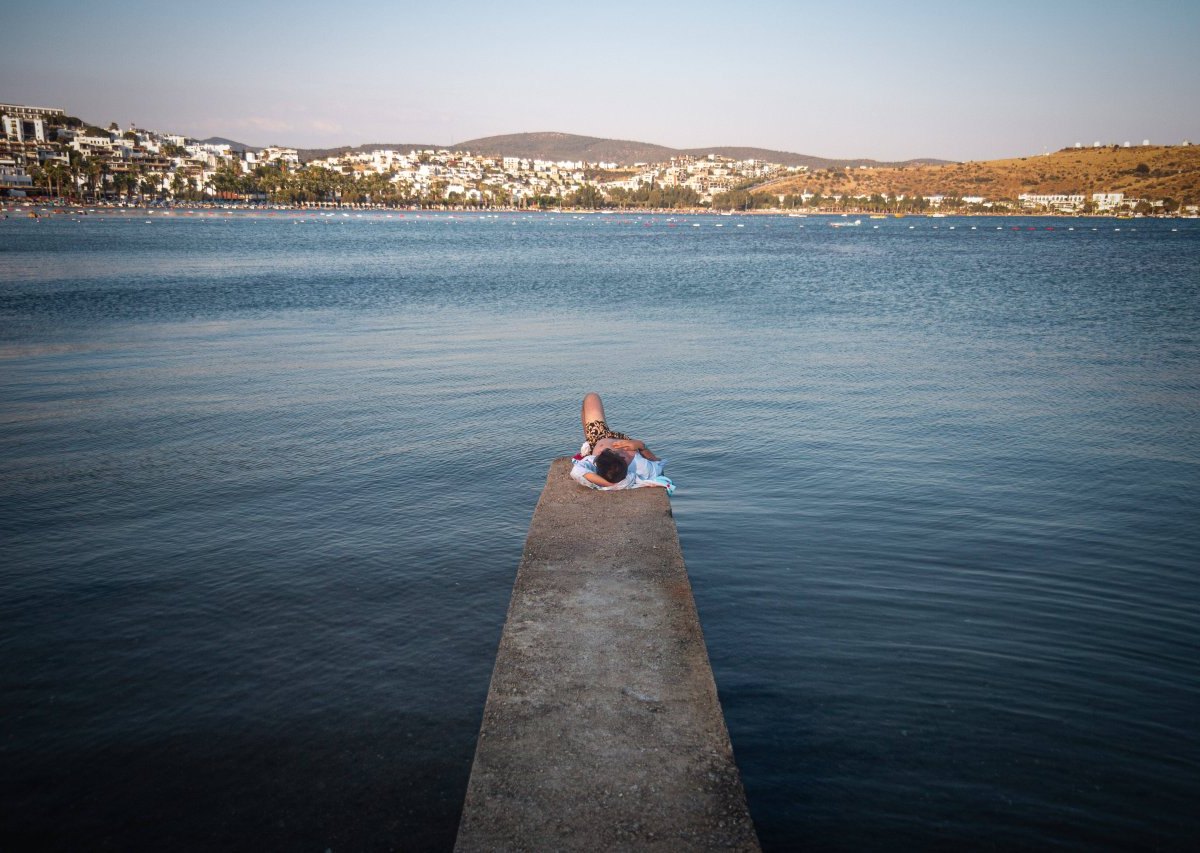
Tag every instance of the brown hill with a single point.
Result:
(308, 154)
(786, 158)
(534, 146)
(592, 149)
(567, 146)
(1149, 172)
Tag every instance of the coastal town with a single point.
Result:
(47, 154)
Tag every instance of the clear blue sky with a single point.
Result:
(853, 79)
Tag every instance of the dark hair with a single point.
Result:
(611, 466)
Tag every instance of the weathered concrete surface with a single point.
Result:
(602, 729)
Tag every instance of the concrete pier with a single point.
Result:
(602, 729)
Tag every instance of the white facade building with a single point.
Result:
(1065, 203)
(19, 128)
(283, 155)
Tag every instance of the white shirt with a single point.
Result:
(642, 472)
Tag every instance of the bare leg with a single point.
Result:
(593, 409)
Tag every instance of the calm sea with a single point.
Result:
(265, 480)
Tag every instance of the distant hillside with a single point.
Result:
(1151, 172)
(568, 146)
(534, 146)
(591, 149)
(236, 146)
(786, 158)
(307, 154)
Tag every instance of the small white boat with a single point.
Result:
(845, 224)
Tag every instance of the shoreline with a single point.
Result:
(63, 208)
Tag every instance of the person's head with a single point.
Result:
(611, 466)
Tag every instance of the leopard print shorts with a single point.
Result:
(596, 430)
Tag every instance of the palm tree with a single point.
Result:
(76, 165)
(135, 181)
(55, 172)
(120, 184)
(95, 176)
(38, 174)
(179, 185)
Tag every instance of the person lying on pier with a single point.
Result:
(611, 460)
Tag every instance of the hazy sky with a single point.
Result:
(887, 80)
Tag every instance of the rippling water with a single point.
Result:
(265, 482)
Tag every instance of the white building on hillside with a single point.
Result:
(19, 128)
(273, 153)
(1064, 203)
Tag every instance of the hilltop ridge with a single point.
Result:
(553, 169)
(556, 146)
(1154, 172)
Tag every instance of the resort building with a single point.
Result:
(18, 128)
(1063, 203)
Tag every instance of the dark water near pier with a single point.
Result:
(264, 482)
